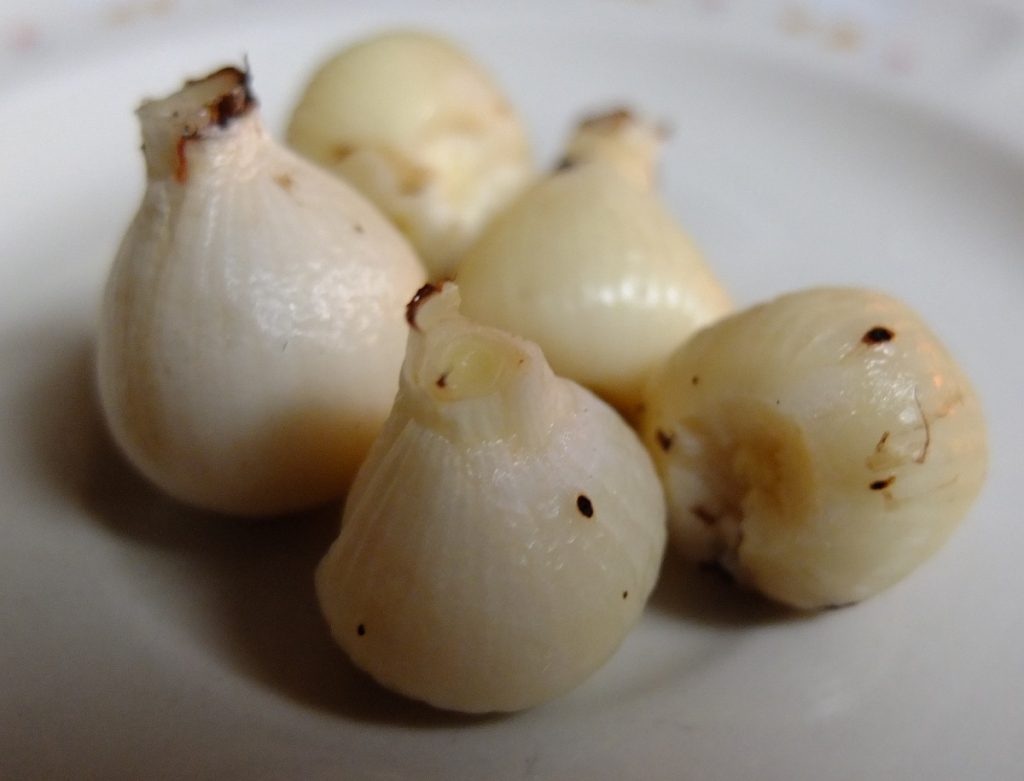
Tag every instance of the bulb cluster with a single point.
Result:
(270, 340)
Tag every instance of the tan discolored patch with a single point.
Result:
(339, 152)
(845, 37)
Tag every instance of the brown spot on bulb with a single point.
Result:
(881, 485)
(877, 335)
(340, 151)
(664, 439)
(361, 630)
(585, 506)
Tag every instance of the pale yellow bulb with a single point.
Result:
(820, 446)
(423, 131)
(591, 266)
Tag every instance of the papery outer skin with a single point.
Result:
(597, 272)
(421, 130)
(252, 327)
(465, 573)
(818, 465)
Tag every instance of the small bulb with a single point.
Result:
(423, 131)
(590, 265)
(820, 446)
(504, 533)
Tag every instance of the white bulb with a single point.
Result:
(503, 534)
(819, 446)
(590, 265)
(252, 325)
(423, 131)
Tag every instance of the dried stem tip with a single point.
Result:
(413, 307)
(169, 123)
(630, 143)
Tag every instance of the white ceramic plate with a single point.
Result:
(873, 143)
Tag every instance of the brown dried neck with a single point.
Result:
(413, 307)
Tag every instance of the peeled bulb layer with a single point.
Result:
(590, 265)
(423, 131)
(503, 534)
(819, 446)
(252, 325)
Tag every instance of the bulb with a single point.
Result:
(252, 326)
(820, 446)
(423, 131)
(589, 265)
(503, 534)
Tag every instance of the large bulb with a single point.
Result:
(252, 325)
(504, 533)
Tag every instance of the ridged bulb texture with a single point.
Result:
(820, 446)
(422, 130)
(591, 266)
(504, 533)
(252, 326)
